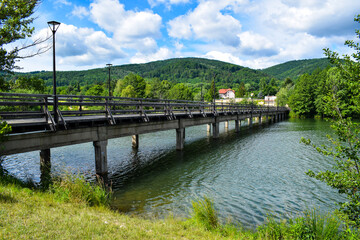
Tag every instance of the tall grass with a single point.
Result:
(204, 213)
(310, 225)
(75, 189)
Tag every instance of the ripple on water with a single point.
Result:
(249, 175)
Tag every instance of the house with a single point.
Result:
(270, 100)
(226, 93)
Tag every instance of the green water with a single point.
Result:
(249, 174)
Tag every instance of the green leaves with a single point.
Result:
(14, 25)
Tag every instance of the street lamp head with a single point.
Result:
(109, 65)
(53, 25)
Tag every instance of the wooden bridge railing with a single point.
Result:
(24, 106)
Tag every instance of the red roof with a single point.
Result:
(223, 91)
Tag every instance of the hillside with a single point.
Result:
(293, 69)
(187, 70)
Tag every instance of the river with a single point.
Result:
(248, 175)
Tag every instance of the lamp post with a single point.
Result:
(53, 25)
(214, 94)
(109, 66)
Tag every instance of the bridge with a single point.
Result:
(41, 122)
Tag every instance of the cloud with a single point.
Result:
(316, 17)
(83, 46)
(129, 28)
(256, 44)
(161, 54)
(167, 3)
(80, 12)
(207, 23)
(63, 2)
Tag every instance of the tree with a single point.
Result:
(180, 92)
(136, 81)
(346, 142)
(30, 83)
(241, 92)
(14, 25)
(128, 92)
(96, 90)
(302, 99)
(209, 96)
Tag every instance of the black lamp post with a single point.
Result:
(53, 25)
(109, 66)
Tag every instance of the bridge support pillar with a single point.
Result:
(260, 119)
(216, 127)
(180, 138)
(226, 125)
(101, 167)
(267, 118)
(45, 167)
(237, 125)
(250, 121)
(135, 141)
(209, 128)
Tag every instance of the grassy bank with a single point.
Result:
(74, 209)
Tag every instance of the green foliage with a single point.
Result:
(180, 92)
(14, 24)
(341, 100)
(204, 214)
(96, 90)
(302, 100)
(212, 92)
(346, 175)
(75, 189)
(4, 130)
(311, 225)
(137, 82)
(32, 83)
(294, 69)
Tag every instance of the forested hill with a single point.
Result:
(186, 70)
(293, 69)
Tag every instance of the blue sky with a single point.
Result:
(251, 33)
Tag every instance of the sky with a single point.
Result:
(251, 33)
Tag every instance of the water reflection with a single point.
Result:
(247, 174)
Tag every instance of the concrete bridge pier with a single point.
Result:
(260, 119)
(216, 127)
(250, 121)
(226, 125)
(209, 128)
(267, 118)
(45, 167)
(180, 138)
(237, 125)
(135, 141)
(101, 166)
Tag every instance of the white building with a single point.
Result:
(270, 100)
(226, 93)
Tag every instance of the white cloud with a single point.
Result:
(80, 12)
(208, 23)
(161, 54)
(129, 28)
(167, 3)
(63, 2)
(317, 17)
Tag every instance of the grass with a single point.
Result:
(75, 209)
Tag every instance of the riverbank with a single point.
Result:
(28, 213)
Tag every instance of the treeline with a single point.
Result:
(314, 94)
(135, 86)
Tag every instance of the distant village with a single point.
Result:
(228, 95)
